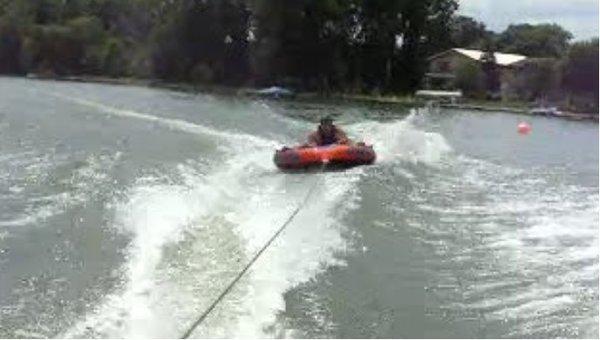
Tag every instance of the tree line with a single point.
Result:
(315, 45)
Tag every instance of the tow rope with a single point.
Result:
(252, 261)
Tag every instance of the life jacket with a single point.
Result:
(332, 138)
(328, 139)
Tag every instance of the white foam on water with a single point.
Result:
(247, 194)
(309, 245)
(403, 140)
(35, 172)
(171, 123)
(158, 215)
(249, 200)
(304, 250)
(155, 214)
(541, 238)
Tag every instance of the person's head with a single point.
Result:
(326, 125)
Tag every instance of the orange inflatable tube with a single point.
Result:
(336, 154)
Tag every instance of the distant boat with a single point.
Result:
(438, 95)
(274, 92)
(545, 111)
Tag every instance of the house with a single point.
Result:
(443, 68)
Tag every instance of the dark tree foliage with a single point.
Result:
(439, 27)
(326, 45)
(469, 33)
(10, 49)
(545, 40)
(323, 45)
(201, 41)
(581, 68)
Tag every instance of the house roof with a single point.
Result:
(503, 59)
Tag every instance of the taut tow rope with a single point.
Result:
(203, 316)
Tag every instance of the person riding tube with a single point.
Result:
(327, 134)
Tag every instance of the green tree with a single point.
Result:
(397, 36)
(67, 49)
(544, 40)
(470, 78)
(88, 37)
(191, 34)
(10, 49)
(542, 77)
(112, 57)
(439, 28)
(322, 45)
(302, 40)
(581, 68)
(469, 33)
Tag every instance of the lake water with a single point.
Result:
(125, 211)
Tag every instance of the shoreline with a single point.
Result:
(407, 100)
(519, 110)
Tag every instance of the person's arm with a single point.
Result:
(341, 137)
(313, 140)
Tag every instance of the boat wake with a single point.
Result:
(192, 231)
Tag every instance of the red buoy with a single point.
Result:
(524, 128)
